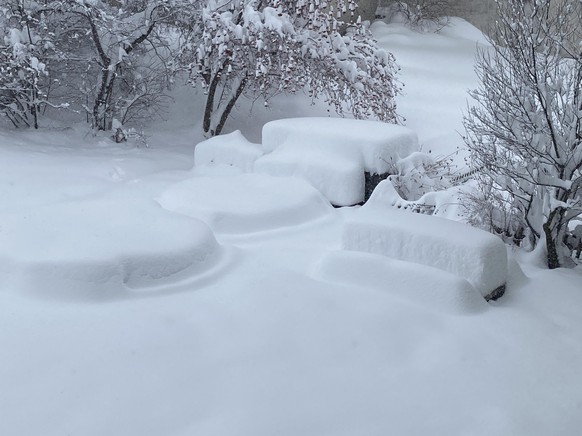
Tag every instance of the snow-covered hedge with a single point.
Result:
(473, 254)
(334, 153)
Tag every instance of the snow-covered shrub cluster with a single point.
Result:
(265, 48)
(420, 15)
(525, 132)
(106, 60)
(420, 173)
(24, 47)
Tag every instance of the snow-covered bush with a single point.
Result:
(525, 132)
(124, 53)
(264, 48)
(420, 173)
(106, 59)
(24, 46)
(420, 15)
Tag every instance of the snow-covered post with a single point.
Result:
(525, 131)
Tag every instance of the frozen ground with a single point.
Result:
(273, 328)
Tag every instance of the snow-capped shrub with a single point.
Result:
(420, 15)
(23, 84)
(420, 173)
(261, 49)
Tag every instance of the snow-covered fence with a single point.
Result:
(473, 254)
(465, 176)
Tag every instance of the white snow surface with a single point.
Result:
(286, 334)
(473, 254)
(333, 153)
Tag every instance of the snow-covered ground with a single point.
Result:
(140, 296)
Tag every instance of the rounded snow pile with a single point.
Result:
(246, 202)
(100, 247)
(334, 153)
(477, 256)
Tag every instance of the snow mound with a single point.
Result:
(427, 286)
(246, 202)
(232, 150)
(473, 254)
(99, 248)
(333, 153)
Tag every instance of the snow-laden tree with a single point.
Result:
(420, 15)
(525, 130)
(126, 50)
(24, 48)
(112, 59)
(263, 47)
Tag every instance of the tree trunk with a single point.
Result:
(552, 248)
(209, 109)
(230, 106)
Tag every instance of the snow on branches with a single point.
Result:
(22, 70)
(261, 48)
(525, 132)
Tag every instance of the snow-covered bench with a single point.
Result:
(334, 154)
(473, 254)
(421, 284)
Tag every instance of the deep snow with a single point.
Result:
(282, 331)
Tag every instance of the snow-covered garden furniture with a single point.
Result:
(428, 286)
(457, 248)
(107, 247)
(244, 203)
(334, 154)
